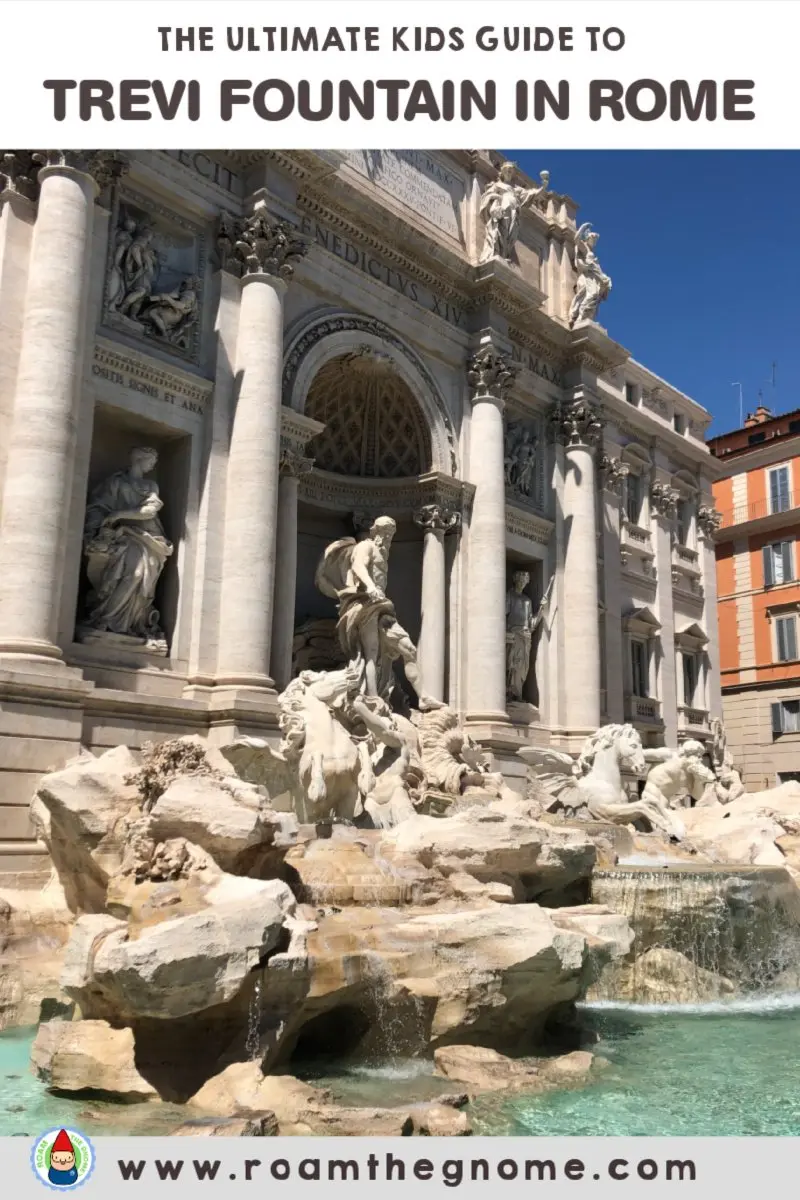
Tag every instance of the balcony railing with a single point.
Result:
(757, 509)
(643, 709)
(692, 718)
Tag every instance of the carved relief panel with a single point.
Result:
(154, 275)
(524, 454)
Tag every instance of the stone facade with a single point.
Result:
(261, 352)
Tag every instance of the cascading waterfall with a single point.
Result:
(723, 931)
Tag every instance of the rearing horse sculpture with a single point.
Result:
(594, 782)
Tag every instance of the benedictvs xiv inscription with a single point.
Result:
(365, 261)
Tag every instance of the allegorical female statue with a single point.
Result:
(126, 550)
(521, 624)
(501, 204)
(592, 285)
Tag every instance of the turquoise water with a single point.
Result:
(713, 1070)
(27, 1108)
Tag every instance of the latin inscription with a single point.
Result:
(135, 378)
(365, 260)
(208, 169)
(537, 366)
(417, 180)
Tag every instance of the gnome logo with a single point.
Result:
(63, 1159)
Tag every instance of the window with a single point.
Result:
(780, 496)
(786, 638)
(640, 669)
(755, 438)
(633, 499)
(691, 676)
(794, 427)
(786, 716)
(679, 423)
(630, 393)
(778, 563)
(684, 521)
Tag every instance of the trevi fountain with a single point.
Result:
(368, 931)
(373, 924)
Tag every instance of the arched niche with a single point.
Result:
(329, 336)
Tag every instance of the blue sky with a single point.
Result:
(705, 264)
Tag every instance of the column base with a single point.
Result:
(246, 683)
(31, 653)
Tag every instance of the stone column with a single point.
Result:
(578, 427)
(41, 445)
(613, 478)
(663, 500)
(293, 465)
(436, 521)
(266, 250)
(708, 522)
(490, 377)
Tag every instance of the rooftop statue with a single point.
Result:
(501, 204)
(592, 285)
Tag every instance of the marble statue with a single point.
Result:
(592, 285)
(727, 785)
(355, 574)
(452, 762)
(172, 314)
(520, 454)
(123, 240)
(593, 785)
(521, 624)
(500, 207)
(677, 776)
(126, 549)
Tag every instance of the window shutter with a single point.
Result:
(788, 565)
(777, 717)
(780, 639)
(791, 638)
(769, 577)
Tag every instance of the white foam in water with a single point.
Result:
(409, 1068)
(780, 1002)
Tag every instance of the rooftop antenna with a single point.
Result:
(741, 404)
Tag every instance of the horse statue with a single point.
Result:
(592, 786)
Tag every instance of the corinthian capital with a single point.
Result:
(104, 166)
(18, 172)
(294, 462)
(437, 517)
(613, 472)
(576, 422)
(708, 519)
(259, 245)
(664, 499)
(490, 375)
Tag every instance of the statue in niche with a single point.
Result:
(116, 279)
(126, 550)
(521, 624)
(500, 207)
(355, 574)
(592, 285)
(520, 458)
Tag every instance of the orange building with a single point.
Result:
(758, 583)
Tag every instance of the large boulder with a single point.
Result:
(229, 820)
(661, 976)
(178, 966)
(81, 813)
(89, 1056)
(748, 830)
(378, 980)
(498, 843)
